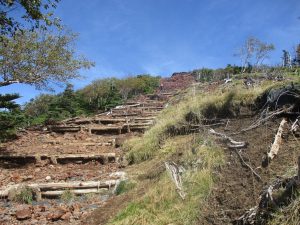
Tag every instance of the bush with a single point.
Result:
(123, 187)
(24, 195)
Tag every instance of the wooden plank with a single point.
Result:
(4, 191)
(76, 192)
(54, 157)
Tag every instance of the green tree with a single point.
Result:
(39, 58)
(10, 116)
(34, 14)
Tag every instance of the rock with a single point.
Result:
(120, 141)
(48, 178)
(56, 215)
(23, 214)
(76, 207)
(118, 174)
(66, 216)
(27, 178)
(77, 215)
(40, 208)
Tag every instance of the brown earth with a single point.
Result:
(237, 189)
(84, 137)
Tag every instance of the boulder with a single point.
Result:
(23, 214)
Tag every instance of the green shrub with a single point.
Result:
(124, 186)
(67, 196)
(25, 195)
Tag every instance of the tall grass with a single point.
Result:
(161, 203)
(224, 102)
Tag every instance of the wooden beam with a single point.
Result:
(4, 191)
(104, 157)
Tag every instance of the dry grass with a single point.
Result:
(197, 153)
(224, 102)
(288, 215)
(161, 203)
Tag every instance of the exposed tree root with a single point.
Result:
(175, 173)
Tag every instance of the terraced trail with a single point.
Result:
(78, 156)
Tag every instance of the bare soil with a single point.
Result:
(46, 142)
(237, 189)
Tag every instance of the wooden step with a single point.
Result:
(54, 189)
(60, 158)
(62, 129)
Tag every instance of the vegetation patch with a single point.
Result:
(124, 187)
(161, 203)
(24, 195)
(67, 196)
(288, 215)
(223, 103)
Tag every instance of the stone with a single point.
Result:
(55, 215)
(23, 214)
(48, 178)
(76, 207)
(66, 216)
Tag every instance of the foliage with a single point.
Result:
(67, 196)
(254, 52)
(10, 116)
(39, 58)
(6, 101)
(161, 203)
(124, 186)
(208, 75)
(106, 93)
(25, 195)
(101, 95)
(35, 14)
(54, 107)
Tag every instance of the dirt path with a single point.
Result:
(75, 150)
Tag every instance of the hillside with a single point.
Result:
(217, 183)
(192, 153)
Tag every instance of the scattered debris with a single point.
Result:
(276, 144)
(279, 193)
(232, 143)
(175, 172)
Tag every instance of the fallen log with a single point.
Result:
(61, 185)
(276, 144)
(232, 143)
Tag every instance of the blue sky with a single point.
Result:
(127, 37)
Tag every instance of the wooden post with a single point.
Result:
(128, 127)
(53, 160)
(38, 159)
(299, 168)
(113, 142)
